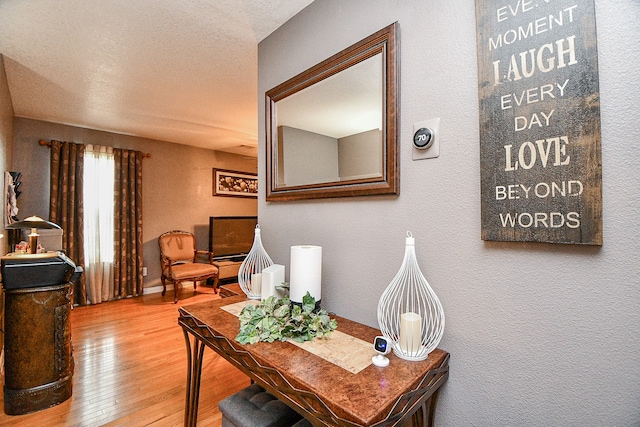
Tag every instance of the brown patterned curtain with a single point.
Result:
(65, 204)
(127, 223)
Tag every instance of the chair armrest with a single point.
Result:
(166, 263)
(207, 253)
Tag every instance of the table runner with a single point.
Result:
(343, 350)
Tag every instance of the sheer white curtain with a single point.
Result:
(98, 222)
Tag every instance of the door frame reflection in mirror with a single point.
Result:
(380, 182)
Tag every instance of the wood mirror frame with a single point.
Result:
(384, 43)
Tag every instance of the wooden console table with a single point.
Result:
(230, 290)
(404, 393)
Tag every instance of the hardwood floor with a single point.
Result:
(131, 367)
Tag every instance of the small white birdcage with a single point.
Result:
(250, 272)
(410, 315)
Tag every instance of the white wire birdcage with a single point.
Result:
(250, 272)
(410, 315)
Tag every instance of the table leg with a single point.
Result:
(194, 373)
(425, 415)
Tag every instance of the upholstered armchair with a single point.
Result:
(178, 258)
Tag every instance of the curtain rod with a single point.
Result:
(48, 144)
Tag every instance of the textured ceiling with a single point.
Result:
(179, 71)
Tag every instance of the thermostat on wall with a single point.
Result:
(423, 138)
(425, 144)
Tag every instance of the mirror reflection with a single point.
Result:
(331, 130)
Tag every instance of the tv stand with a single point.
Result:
(228, 267)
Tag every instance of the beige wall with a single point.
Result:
(177, 182)
(308, 157)
(6, 139)
(6, 150)
(360, 155)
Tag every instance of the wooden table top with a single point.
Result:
(364, 398)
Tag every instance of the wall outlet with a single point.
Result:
(144, 271)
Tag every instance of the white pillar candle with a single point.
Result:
(410, 332)
(272, 277)
(306, 272)
(256, 283)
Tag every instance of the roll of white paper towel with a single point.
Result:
(305, 273)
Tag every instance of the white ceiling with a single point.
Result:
(183, 71)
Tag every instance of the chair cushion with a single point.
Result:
(190, 269)
(254, 407)
(177, 246)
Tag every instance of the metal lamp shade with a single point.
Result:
(33, 223)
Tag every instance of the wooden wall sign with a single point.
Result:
(540, 152)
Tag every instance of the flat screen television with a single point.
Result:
(231, 237)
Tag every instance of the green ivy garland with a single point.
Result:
(277, 319)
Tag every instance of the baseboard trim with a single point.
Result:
(156, 289)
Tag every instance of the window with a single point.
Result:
(98, 222)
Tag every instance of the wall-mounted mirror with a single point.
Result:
(332, 130)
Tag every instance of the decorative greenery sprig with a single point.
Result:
(277, 319)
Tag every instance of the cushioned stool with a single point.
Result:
(254, 407)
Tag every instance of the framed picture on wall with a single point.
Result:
(233, 183)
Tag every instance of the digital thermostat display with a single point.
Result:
(423, 138)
